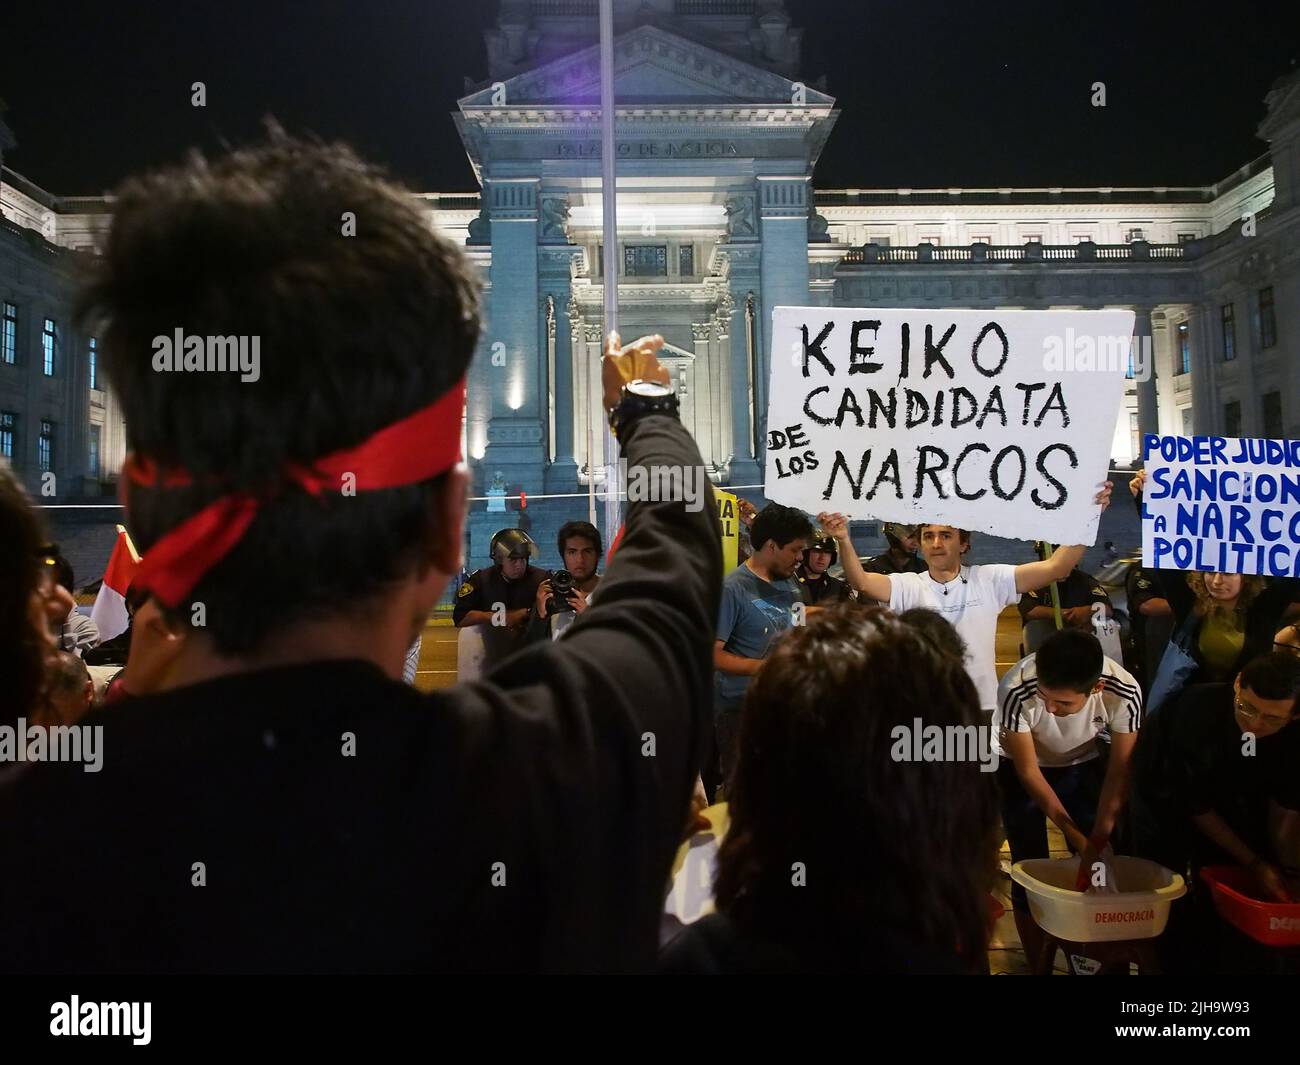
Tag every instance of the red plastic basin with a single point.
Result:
(1275, 924)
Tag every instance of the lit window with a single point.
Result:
(1034, 238)
(1229, 332)
(686, 260)
(94, 450)
(9, 335)
(645, 260)
(49, 339)
(1134, 234)
(94, 362)
(1184, 348)
(45, 447)
(8, 426)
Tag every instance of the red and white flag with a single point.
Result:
(109, 611)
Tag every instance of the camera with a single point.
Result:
(562, 585)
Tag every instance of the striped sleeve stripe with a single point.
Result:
(1131, 695)
(1011, 715)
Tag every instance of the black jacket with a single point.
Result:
(716, 946)
(512, 824)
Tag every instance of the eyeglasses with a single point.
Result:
(1290, 648)
(1252, 713)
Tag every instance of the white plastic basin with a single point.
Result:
(1139, 911)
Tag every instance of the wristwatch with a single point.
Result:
(642, 397)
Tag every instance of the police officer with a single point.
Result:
(820, 587)
(500, 597)
(901, 557)
(1081, 594)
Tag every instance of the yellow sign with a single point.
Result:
(729, 517)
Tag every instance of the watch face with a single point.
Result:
(648, 389)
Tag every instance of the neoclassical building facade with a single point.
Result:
(720, 221)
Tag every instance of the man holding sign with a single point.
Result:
(990, 420)
(969, 597)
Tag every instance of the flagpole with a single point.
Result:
(609, 231)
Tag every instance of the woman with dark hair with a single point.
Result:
(937, 628)
(1232, 618)
(25, 610)
(843, 855)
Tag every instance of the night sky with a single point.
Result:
(933, 94)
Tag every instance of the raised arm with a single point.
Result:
(872, 585)
(1030, 576)
(606, 728)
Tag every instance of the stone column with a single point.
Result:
(589, 400)
(724, 411)
(482, 377)
(513, 342)
(783, 209)
(706, 388)
(515, 436)
(555, 279)
(744, 468)
(1206, 347)
(1147, 393)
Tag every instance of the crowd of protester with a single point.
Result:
(274, 798)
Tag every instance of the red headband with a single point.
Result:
(420, 446)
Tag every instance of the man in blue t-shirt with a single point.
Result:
(758, 605)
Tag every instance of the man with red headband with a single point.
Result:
(282, 802)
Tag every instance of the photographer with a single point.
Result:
(565, 594)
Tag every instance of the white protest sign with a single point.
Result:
(1221, 505)
(989, 420)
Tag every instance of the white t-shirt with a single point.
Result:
(1068, 740)
(971, 603)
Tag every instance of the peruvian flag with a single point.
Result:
(109, 611)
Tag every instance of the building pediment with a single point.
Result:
(652, 67)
